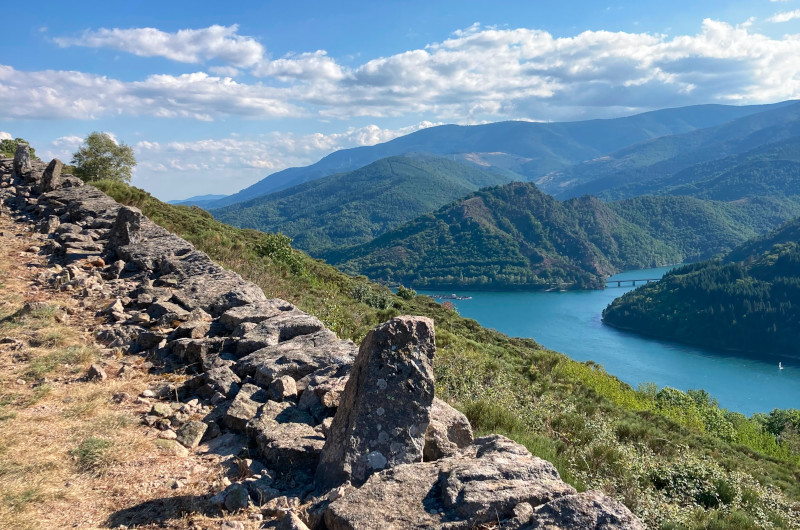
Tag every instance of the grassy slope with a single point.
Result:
(676, 460)
(351, 208)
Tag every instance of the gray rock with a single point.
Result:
(50, 224)
(482, 487)
(281, 327)
(590, 509)
(236, 498)
(221, 379)
(385, 409)
(296, 357)
(159, 309)
(190, 433)
(255, 312)
(51, 179)
(22, 160)
(282, 389)
(448, 431)
(290, 521)
(285, 438)
(126, 228)
(261, 490)
(243, 408)
(161, 410)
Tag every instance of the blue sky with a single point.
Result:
(215, 96)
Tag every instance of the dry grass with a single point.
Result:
(70, 454)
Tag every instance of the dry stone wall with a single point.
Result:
(342, 437)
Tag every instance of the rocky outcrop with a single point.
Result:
(337, 436)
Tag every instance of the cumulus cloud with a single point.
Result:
(785, 16)
(186, 45)
(5, 136)
(480, 73)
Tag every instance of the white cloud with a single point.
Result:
(478, 74)
(224, 71)
(785, 16)
(186, 45)
(5, 136)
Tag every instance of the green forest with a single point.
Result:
(515, 236)
(749, 301)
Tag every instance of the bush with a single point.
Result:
(406, 293)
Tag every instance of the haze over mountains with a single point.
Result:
(531, 150)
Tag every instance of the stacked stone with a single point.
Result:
(344, 437)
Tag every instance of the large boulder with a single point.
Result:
(482, 486)
(385, 408)
(51, 179)
(448, 432)
(280, 327)
(22, 160)
(255, 312)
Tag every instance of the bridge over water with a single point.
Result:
(632, 281)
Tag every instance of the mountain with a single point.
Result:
(527, 148)
(770, 170)
(515, 236)
(750, 301)
(199, 200)
(629, 171)
(351, 208)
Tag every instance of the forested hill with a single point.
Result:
(351, 208)
(515, 236)
(750, 301)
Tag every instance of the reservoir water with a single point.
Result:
(569, 322)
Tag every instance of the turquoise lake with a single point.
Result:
(569, 322)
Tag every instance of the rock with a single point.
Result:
(278, 328)
(261, 490)
(50, 225)
(284, 443)
(167, 435)
(190, 433)
(243, 408)
(282, 389)
(114, 307)
(297, 357)
(385, 409)
(470, 490)
(448, 431)
(159, 309)
(236, 498)
(290, 521)
(96, 373)
(161, 410)
(51, 179)
(171, 447)
(590, 509)
(255, 312)
(22, 160)
(194, 329)
(126, 228)
(220, 379)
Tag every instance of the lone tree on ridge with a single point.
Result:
(100, 158)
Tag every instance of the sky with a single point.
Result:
(216, 96)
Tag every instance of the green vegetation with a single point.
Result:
(93, 455)
(352, 208)
(751, 304)
(101, 157)
(677, 460)
(515, 236)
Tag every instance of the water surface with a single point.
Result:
(569, 322)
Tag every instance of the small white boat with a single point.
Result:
(780, 366)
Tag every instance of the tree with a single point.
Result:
(101, 158)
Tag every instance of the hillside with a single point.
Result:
(647, 167)
(529, 149)
(352, 208)
(750, 301)
(515, 236)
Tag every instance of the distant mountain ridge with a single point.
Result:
(647, 167)
(351, 208)
(535, 148)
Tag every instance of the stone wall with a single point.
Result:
(344, 437)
